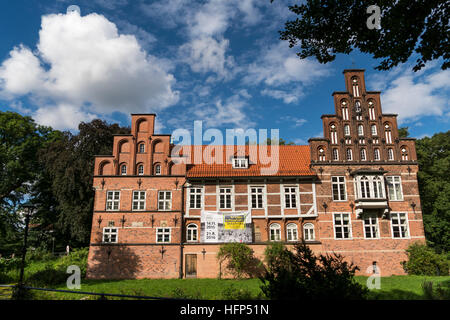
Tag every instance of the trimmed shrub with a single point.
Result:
(422, 260)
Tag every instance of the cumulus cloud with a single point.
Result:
(83, 66)
(287, 97)
(413, 95)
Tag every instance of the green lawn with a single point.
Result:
(395, 287)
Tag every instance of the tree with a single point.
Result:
(305, 276)
(20, 140)
(327, 27)
(240, 258)
(422, 260)
(69, 164)
(403, 132)
(433, 155)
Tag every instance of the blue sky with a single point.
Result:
(217, 61)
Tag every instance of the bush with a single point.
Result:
(47, 277)
(5, 278)
(77, 257)
(39, 254)
(241, 260)
(9, 264)
(440, 292)
(301, 276)
(231, 293)
(276, 254)
(422, 260)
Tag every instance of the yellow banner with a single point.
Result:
(234, 222)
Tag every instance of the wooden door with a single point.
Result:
(191, 266)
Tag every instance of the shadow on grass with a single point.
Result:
(394, 294)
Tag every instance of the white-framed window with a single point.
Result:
(370, 187)
(376, 154)
(112, 200)
(240, 163)
(290, 197)
(291, 232)
(388, 133)
(349, 154)
(321, 154)
(399, 224)
(371, 226)
(110, 235)
(344, 112)
(342, 226)
(347, 130)
(141, 148)
(158, 170)
(141, 169)
(192, 232)
(195, 198)
(355, 86)
(123, 170)
(371, 110)
(360, 130)
(257, 194)
(390, 154)
(373, 129)
(275, 232)
(308, 232)
(394, 185)
(404, 154)
(363, 155)
(138, 200)
(333, 134)
(335, 154)
(164, 200)
(162, 235)
(338, 185)
(225, 198)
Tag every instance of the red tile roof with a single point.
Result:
(292, 161)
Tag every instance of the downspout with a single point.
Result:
(180, 276)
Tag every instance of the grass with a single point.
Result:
(394, 287)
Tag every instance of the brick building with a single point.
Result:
(353, 192)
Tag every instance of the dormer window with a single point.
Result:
(240, 163)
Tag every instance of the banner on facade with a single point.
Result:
(219, 226)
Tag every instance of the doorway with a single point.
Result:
(191, 266)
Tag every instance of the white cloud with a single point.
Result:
(62, 116)
(89, 64)
(279, 65)
(287, 97)
(413, 95)
(296, 122)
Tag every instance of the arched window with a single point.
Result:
(158, 170)
(355, 86)
(373, 129)
(347, 130)
(141, 169)
(123, 170)
(390, 154)
(388, 133)
(291, 232)
(371, 110)
(360, 130)
(363, 155)
(275, 232)
(141, 148)
(321, 153)
(377, 187)
(349, 154)
(365, 187)
(308, 232)
(192, 233)
(333, 134)
(344, 110)
(335, 155)
(404, 153)
(376, 154)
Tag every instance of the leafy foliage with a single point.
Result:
(433, 155)
(305, 276)
(240, 260)
(422, 260)
(327, 27)
(441, 291)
